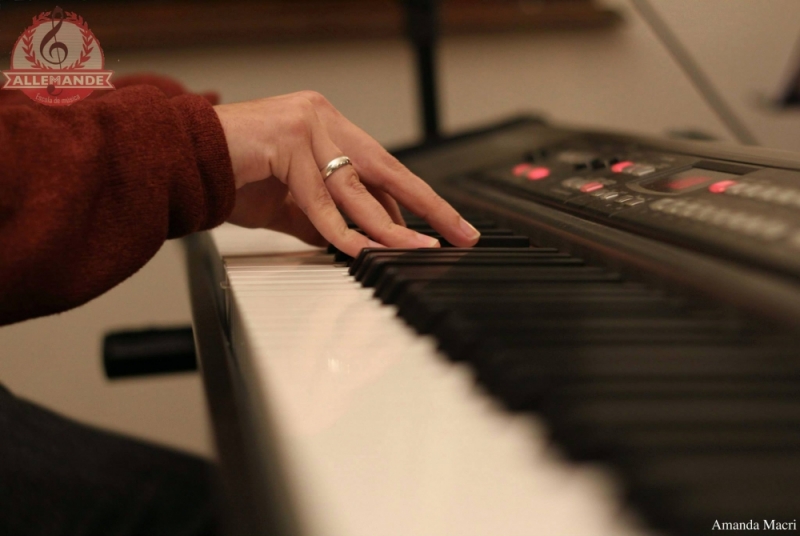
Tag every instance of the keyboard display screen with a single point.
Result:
(686, 181)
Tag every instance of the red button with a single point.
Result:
(520, 169)
(720, 187)
(591, 187)
(619, 167)
(538, 173)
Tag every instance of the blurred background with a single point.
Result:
(579, 62)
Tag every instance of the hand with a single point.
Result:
(278, 147)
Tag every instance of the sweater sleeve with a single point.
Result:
(89, 192)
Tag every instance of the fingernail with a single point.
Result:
(374, 244)
(427, 241)
(469, 230)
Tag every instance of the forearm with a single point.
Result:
(90, 192)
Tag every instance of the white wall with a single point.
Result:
(620, 79)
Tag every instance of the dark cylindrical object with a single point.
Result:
(423, 29)
(150, 351)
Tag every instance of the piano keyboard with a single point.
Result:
(377, 432)
(619, 355)
(695, 405)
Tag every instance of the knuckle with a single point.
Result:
(322, 199)
(319, 200)
(298, 125)
(315, 98)
(304, 105)
(388, 227)
(353, 184)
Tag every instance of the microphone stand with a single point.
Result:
(422, 25)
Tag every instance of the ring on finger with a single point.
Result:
(333, 165)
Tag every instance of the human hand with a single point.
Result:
(278, 147)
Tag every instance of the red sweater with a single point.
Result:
(89, 192)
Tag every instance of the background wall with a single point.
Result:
(617, 79)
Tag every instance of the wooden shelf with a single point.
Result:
(182, 23)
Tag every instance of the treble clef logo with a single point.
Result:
(57, 52)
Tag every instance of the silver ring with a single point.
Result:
(335, 164)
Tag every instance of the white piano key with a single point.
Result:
(378, 434)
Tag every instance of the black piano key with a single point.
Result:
(428, 313)
(370, 253)
(622, 440)
(461, 337)
(471, 216)
(466, 349)
(696, 411)
(502, 239)
(696, 509)
(487, 289)
(485, 226)
(618, 446)
(430, 231)
(432, 290)
(492, 238)
(640, 361)
(428, 298)
(606, 432)
(499, 231)
(373, 272)
(673, 392)
(489, 242)
(566, 396)
(752, 474)
(526, 307)
(681, 469)
(418, 224)
(422, 256)
(423, 309)
(577, 393)
(485, 241)
(393, 282)
(520, 377)
(341, 257)
(522, 324)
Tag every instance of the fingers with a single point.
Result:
(380, 171)
(421, 199)
(388, 203)
(387, 173)
(312, 197)
(303, 134)
(361, 205)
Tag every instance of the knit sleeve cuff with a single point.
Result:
(210, 147)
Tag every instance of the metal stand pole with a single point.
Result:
(422, 17)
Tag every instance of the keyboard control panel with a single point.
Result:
(744, 211)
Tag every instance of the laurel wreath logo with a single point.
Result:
(88, 40)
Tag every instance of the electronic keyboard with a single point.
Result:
(618, 354)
